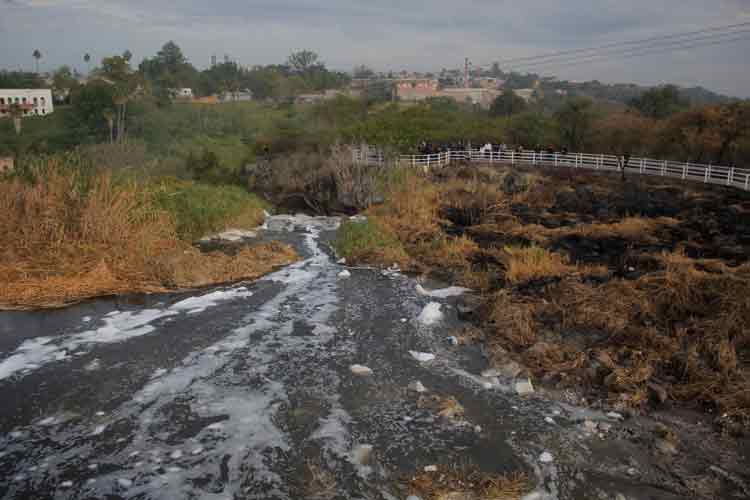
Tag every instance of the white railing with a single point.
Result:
(707, 173)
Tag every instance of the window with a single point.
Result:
(43, 100)
(23, 100)
(35, 101)
(2, 100)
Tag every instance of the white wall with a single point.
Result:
(39, 100)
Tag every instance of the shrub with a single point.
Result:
(369, 242)
(200, 209)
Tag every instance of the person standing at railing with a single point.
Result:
(624, 164)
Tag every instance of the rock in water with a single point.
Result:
(422, 357)
(431, 314)
(345, 274)
(360, 370)
(524, 387)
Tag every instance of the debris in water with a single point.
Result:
(615, 415)
(341, 261)
(452, 340)
(546, 457)
(176, 454)
(345, 274)
(66, 484)
(524, 387)
(361, 370)
(362, 454)
(431, 314)
(422, 357)
(549, 420)
(417, 386)
(430, 468)
(197, 451)
(403, 320)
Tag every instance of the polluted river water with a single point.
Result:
(304, 384)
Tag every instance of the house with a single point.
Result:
(241, 95)
(6, 164)
(184, 93)
(33, 102)
(526, 94)
(480, 96)
(416, 89)
(309, 98)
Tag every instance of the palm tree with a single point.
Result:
(16, 112)
(37, 55)
(87, 60)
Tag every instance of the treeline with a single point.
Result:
(652, 125)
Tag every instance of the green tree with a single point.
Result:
(303, 61)
(89, 103)
(575, 121)
(363, 71)
(660, 102)
(63, 81)
(507, 104)
(529, 129)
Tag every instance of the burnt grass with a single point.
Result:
(651, 310)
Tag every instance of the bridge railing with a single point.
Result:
(699, 172)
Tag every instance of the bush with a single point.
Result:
(369, 242)
(325, 182)
(200, 209)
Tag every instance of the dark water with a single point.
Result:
(246, 392)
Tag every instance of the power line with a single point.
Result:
(643, 51)
(625, 43)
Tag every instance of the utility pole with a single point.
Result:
(466, 72)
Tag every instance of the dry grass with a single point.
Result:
(524, 264)
(682, 329)
(635, 229)
(512, 321)
(469, 483)
(69, 238)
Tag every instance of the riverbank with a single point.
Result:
(627, 296)
(76, 235)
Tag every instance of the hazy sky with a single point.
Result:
(385, 34)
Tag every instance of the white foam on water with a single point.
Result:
(194, 305)
(119, 326)
(442, 293)
(246, 431)
(422, 357)
(431, 314)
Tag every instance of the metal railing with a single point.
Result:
(707, 173)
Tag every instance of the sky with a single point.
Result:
(384, 34)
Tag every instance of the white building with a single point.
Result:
(185, 93)
(33, 102)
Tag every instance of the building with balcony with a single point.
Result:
(33, 102)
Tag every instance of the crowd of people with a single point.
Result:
(429, 148)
